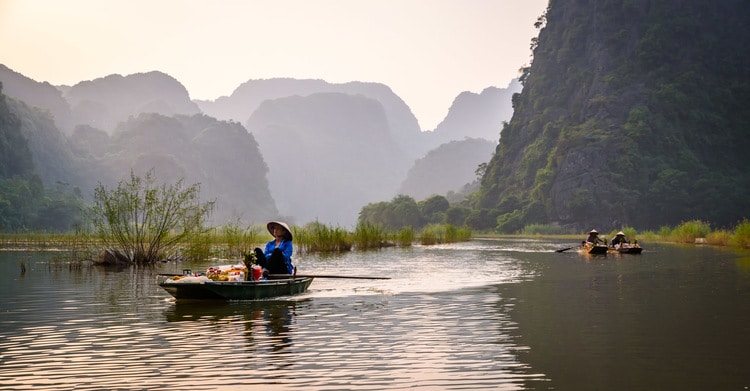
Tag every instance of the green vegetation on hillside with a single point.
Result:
(25, 202)
(632, 113)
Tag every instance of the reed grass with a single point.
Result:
(443, 233)
(316, 237)
(232, 241)
(369, 236)
(405, 237)
(688, 231)
(741, 235)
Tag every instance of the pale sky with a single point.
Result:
(426, 51)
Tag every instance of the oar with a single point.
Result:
(326, 276)
(279, 276)
(563, 249)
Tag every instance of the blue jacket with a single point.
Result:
(286, 248)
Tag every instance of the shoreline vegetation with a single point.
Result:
(232, 241)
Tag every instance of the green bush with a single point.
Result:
(741, 235)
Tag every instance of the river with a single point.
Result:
(493, 314)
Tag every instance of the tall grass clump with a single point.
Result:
(741, 235)
(234, 240)
(369, 236)
(443, 233)
(719, 238)
(405, 237)
(665, 232)
(457, 234)
(316, 237)
(688, 231)
(199, 246)
(431, 234)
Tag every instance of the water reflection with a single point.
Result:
(263, 323)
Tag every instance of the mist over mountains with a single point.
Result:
(303, 150)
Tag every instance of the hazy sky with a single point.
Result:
(426, 51)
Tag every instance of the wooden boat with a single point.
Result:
(593, 250)
(194, 288)
(626, 249)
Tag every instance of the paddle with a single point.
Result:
(279, 276)
(326, 276)
(563, 249)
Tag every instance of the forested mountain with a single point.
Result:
(36, 94)
(31, 146)
(446, 168)
(329, 154)
(222, 156)
(632, 113)
(355, 139)
(15, 155)
(48, 147)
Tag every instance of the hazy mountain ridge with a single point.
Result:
(222, 156)
(476, 115)
(49, 148)
(387, 136)
(104, 102)
(444, 168)
(329, 154)
(37, 94)
(248, 96)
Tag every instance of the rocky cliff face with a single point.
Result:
(632, 113)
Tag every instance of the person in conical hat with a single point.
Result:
(593, 237)
(277, 255)
(619, 239)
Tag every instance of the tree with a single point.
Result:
(433, 209)
(141, 222)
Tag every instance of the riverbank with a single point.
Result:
(233, 241)
(691, 232)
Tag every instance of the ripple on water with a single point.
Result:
(428, 327)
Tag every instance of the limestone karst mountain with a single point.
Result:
(446, 168)
(476, 115)
(222, 156)
(104, 102)
(329, 154)
(37, 94)
(632, 114)
(239, 106)
(377, 139)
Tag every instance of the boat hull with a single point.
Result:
(236, 290)
(628, 250)
(594, 250)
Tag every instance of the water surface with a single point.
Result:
(486, 314)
